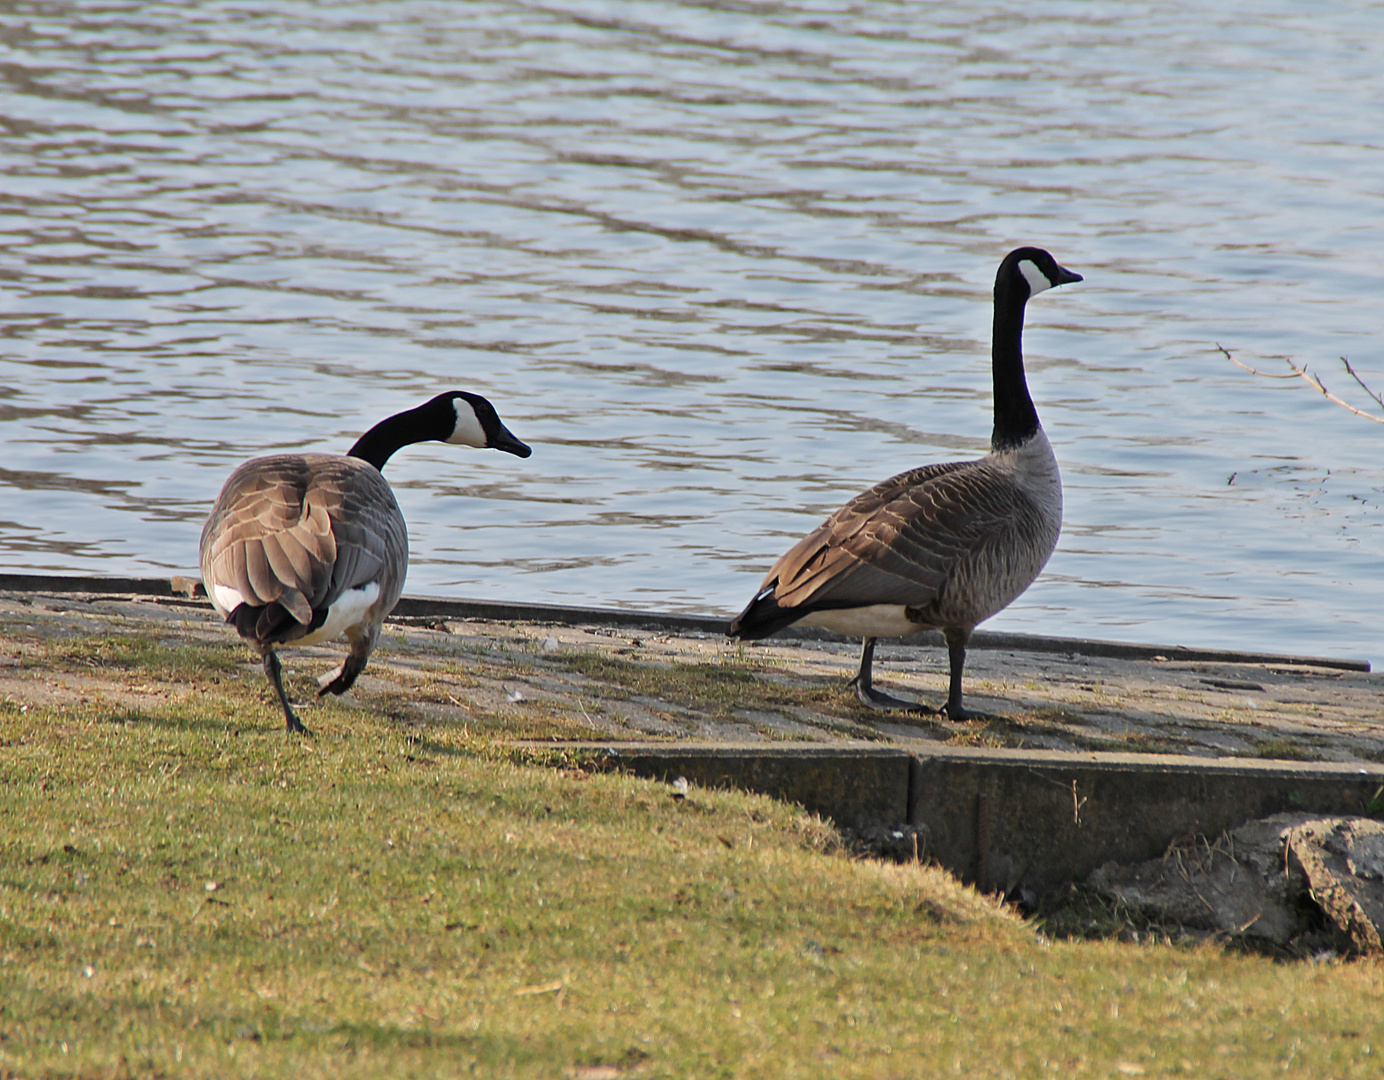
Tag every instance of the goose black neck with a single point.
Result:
(1016, 420)
(378, 444)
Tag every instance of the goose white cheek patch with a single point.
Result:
(1037, 280)
(468, 430)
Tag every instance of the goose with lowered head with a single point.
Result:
(303, 548)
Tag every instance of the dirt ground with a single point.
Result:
(548, 680)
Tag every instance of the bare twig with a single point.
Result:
(1294, 374)
(1314, 381)
(1077, 804)
(589, 722)
(1355, 375)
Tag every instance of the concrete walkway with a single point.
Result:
(575, 678)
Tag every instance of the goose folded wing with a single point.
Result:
(364, 556)
(898, 543)
(270, 539)
(371, 537)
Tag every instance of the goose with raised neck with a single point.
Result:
(941, 547)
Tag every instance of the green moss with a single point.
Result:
(718, 689)
(1284, 750)
(130, 652)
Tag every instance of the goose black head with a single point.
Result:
(1031, 270)
(470, 420)
(453, 417)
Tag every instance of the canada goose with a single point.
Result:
(301, 548)
(940, 547)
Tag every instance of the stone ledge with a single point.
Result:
(1011, 819)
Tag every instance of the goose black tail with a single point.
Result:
(762, 617)
(270, 623)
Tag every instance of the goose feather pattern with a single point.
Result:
(953, 543)
(301, 530)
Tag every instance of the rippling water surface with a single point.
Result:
(723, 265)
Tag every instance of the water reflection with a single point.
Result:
(721, 266)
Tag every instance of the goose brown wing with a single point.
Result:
(901, 541)
(372, 539)
(301, 529)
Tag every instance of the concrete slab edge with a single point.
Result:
(1025, 822)
(439, 607)
(975, 755)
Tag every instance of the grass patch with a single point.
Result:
(185, 891)
(130, 652)
(723, 690)
(1284, 750)
(719, 689)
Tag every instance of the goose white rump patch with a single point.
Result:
(873, 620)
(350, 609)
(225, 598)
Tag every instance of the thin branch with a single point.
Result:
(1315, 382)
(1355, 375)
(1294, 374)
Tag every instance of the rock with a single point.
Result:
(1342, 860)
(187, 586)
(1202, 888)
(1274, 880)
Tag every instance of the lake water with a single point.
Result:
(723, 265)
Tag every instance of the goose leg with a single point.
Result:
(866, 692)
(956, 654)
(344, 677)
(273, 669)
